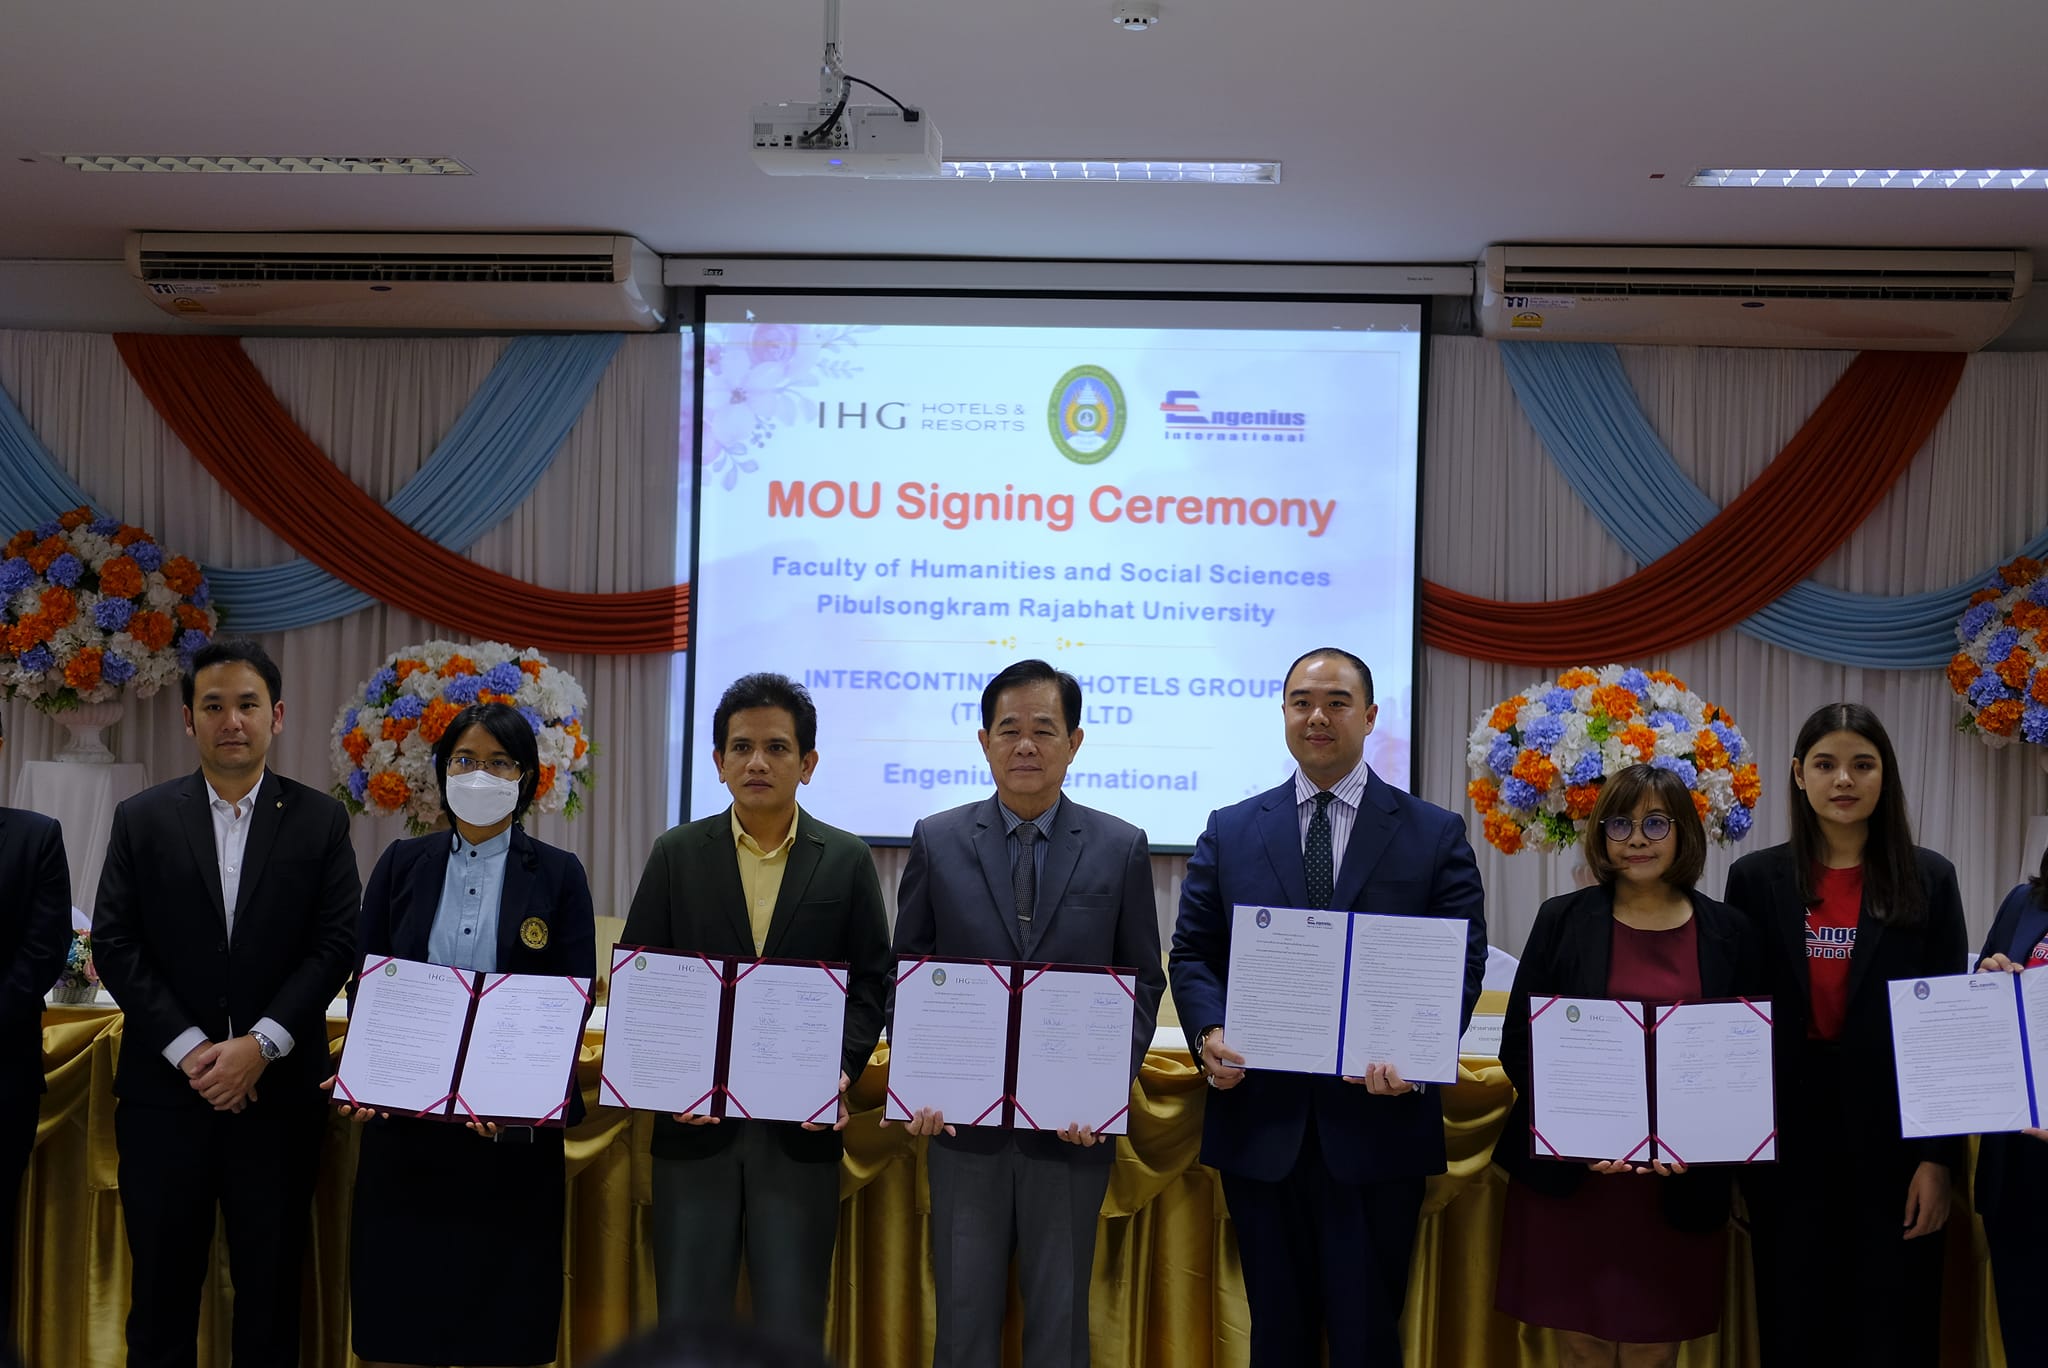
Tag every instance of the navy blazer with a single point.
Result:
(1569, 954)
(541, 882)
(1405, 857)
(35, 936)
(2012, 1170)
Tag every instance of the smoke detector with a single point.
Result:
(1135, 16)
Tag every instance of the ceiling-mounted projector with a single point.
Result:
(845, 140)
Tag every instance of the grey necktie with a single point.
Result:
(1315, 853)
(1025, 880)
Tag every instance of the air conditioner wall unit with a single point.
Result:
(1748, 297)
(403, 281)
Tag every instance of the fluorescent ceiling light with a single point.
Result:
(1948, 179)
(1118, 169)
(277, 166)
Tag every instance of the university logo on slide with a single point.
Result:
(1086, 415)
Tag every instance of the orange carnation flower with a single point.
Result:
(1577, 679)
(581, 747)
(357, 744)
(1699, 803)
(121, 577)
(43, 552)
(388, 790)
(1749, 785)
(397, 728)
(1640, 739)
(192, 619)
(1666, 677)
(1579, 800)
(1708, 752)
(1962, 672)
(1503, 715)
(547, 782)
(124, 535)
(152, 629)
(1617, 702)
(1536, 770)
(434, 721)
(2039, 691)
(181, 573)
(1502, 832)
(1484, 793)
(457, 665)
(2021, 570)
(59, 606)
(531, 667)
(77, 517)
(2014, 669)
(82, 671)
(18, 545)
(1984, 596)
(2001, 717)
(2029, 616)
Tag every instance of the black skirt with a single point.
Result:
(455, 1246)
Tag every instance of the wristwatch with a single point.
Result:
(265, 1046)
(1200, 1041)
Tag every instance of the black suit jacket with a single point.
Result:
(829, 908)
(1568, 955)
(1764, 887)
(541, 881)
(161, 942)
(35, 935)
(2012, 1170)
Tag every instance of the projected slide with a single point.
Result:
(1169, 499)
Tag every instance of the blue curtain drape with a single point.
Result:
(486, 466)
(1581, 404)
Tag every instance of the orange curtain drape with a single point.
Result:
(1816, 492)
(213, 397)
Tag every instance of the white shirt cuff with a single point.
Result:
(277, 1034)
(185, 1044)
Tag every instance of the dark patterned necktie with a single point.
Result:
(1025, 881)
(1315, 853)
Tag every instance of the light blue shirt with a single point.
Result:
(465, 934)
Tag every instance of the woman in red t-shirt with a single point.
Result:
(1845, 1270)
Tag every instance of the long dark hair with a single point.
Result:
(510, 729)
(1891, 873)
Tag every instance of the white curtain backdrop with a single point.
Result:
(601, 520)
(1497, 520)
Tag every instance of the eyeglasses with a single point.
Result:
(1656, 826)
(469, 764)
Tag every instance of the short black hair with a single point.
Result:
(509, 728)
(239, 650)
(1364, 670)
(1032, 672)
(766, 690)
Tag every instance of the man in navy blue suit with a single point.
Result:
(1323, 1176)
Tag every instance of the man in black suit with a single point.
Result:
(763, 878)
(35, 932)
(225, 924)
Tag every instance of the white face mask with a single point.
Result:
(480, 799)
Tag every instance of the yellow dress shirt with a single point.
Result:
(761, 876)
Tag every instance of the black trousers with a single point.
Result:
(258, 1169)
(1324, 1260)
(17, 1142)
(2019, 1272)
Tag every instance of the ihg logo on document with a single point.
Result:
(1086, 415)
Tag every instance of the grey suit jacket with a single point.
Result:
(1094, 907)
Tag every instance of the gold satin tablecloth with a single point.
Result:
(1167, 1288)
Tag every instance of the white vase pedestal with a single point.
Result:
(82, 797)
(86, 722)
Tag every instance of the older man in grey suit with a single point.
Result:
(1025, 875)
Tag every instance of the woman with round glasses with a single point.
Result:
(1623, 1259)
(1841, 1225)
(455, 1250)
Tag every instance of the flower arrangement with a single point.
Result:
(1538, 759)
(2001, 674)
(383, 742)
(78, 980)
(90, 606)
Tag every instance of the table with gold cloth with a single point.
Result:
(1167, 1288)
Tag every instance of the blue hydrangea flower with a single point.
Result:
(504, 677)
(38, 659)
(1560, 700)
(190, 641)
(1731, 741)
(1998, 648)
(105, 527)
(116, 668)
(2034, 724)
(1988, 688)
(1518, 793)
(406, 706)
(1635, 681)
(463, 689)
(1500, 756)
(15, 576)
(1976, 620)
(1683, 768)
(380, 684)
(348, 720)
(65, 570)
(2039, 593)
(358, 784)
(533, 720)
(1666, 720)
(1738, 822)
(1544, 733)
(148, 555)
(1588, 769)
(202, 595)
(48, 528)
(112, 614)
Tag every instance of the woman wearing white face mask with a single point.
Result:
(431, 1196)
